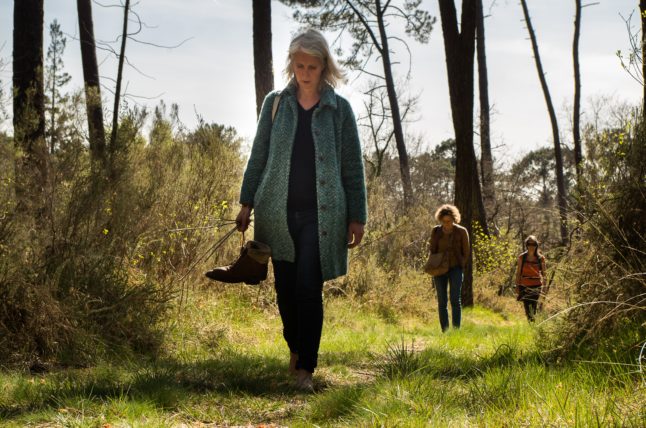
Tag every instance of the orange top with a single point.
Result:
(531, 272)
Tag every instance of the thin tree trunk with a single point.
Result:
(29, 107)
(262, 53)
(91, 77)
(404, 167)
(642, 11)
(459, 48)
(576, 114)
(53, 114)
(560, 178)
(117, 92)
(486, 157)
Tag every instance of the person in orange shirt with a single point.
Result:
(530, 276)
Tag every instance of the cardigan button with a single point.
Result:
(321, 158)
(322, 182)
(324, 233)
(323, 207)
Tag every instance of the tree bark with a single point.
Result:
(29, 107)
(262, 52)
(486, 157)
(404, 167)
(642, 11)
(576, 114)
(459, 47)
(560, 177)
(91, 77)
(117, 92)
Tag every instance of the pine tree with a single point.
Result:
(32, 170)
(262, 54)
(93, 101)
(459, 48)
(55, 79)
(369, 24)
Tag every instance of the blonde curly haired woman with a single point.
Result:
(452, 239)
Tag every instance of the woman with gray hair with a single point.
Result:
(305, 182)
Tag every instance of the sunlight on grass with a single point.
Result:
(226, 364)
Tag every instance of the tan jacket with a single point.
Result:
(456, 243)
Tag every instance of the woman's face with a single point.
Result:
(531, 246)
(307, 70)
(447, 221)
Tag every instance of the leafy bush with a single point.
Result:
(97, 275)
(605, 267)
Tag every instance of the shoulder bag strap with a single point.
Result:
(522, 264)
(274, 107)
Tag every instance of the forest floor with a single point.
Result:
(225, 364)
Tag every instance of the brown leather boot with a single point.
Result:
(250, 268)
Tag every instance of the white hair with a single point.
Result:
(312, 42)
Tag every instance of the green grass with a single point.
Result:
(225, 364)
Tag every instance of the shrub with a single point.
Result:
(605, 267)
(98, 275)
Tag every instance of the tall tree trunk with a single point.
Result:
(486, 158)
(642, 12)
(117, 91)
(404, 167)
(262, 53)
(459, 48)
(29, 107)
(52, 138)
(560, 177)
(91, 78)
(576, 114)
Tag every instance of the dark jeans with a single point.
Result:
(529, 296)
(454, 277)
(299, 288)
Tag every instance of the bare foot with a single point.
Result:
(304, 380)
(293, 359)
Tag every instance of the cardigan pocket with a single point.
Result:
(260, 191)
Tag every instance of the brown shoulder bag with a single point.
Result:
(438, 263)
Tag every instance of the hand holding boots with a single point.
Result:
(244, 218)
(250, 268)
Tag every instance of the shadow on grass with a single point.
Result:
(399, 361)
(164, 384)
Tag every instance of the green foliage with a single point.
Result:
(604, 268)
(400, 360)
(433, 174)
(488, 374)
(361, 20)
(492, 252)
(97, 278)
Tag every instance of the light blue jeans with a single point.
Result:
(454, 277)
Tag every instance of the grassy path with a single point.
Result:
(226, 366)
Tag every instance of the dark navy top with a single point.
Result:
(302, 173)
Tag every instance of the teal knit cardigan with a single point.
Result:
(340, 181)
